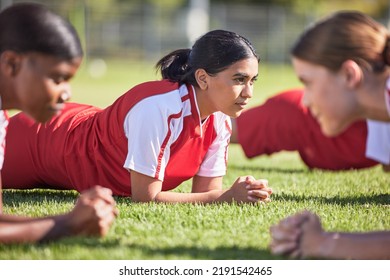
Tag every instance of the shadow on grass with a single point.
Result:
(219, 253)
(14, 198)
(95, 245)
(377, 199)
(268, 169)
(18, 197)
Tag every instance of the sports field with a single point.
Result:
(348, 201)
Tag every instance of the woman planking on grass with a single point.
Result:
(39, 53)
(284, 123)
(152, 138)
(343, 62)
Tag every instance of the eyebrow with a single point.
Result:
(240, 74)
(65, 75)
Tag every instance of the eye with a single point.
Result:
(303, 81)
(240, 80)
(58, 79)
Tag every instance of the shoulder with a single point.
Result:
(159, 91)
(155, 87)
(160, 98)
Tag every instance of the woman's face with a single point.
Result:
(327, 96)
(230, 90)
(42, 85)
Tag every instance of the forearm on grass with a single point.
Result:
(202, 197)
(370, 245)
(204, 190)
(14, 229)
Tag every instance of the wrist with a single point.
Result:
(60, 227)
(222, 196)
(327, 244)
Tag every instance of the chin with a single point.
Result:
(41, 118)
(334, 131)
(235, 115)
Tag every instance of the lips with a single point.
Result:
(242, 104)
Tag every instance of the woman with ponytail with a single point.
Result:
(154, 137)
(343, 63)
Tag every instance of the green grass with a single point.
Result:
(356, 200)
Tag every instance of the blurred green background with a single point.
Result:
(144, 30)
(123, 39)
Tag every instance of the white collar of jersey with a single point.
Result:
(201, 122)
(204, 120)
(387, 95)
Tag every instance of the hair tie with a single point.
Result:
(189, 55)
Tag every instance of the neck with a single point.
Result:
(7, 95)
(203, 103)
(371, 96)
(3, 90)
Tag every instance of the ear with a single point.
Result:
(202, 78)
(353, 73)
(10, 63)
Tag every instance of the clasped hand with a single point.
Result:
(248, 189)
(94, 212)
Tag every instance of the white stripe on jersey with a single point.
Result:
(378, 141)
(3, 132)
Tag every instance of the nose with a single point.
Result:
(247, 91)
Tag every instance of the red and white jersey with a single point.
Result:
(154, 129)
(3, 133)
(162, 124)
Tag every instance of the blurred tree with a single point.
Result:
(165, 3)
(376, 8)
